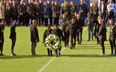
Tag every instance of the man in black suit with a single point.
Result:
(34, 36)
(102, 35)
(13, 37)
(112, 37)
(55, 13)
(46, 33)
(30, 11)
(21, 12)
(58, 32)
(81, 8)
(72, 31)
(79, 25)
(14, 11)
(2, 27)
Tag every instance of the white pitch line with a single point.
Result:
(52, 59)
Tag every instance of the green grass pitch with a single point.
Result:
(84, 58)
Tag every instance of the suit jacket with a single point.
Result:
(102, 32)
(79, 25)
(55, 9)
(112, 32)
(58, 32)
(46, 33)
(34, 33)
(12, 32)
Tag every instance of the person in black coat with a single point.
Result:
(66, 32)
(34, 36)
(14, 11)
(38, 12)
(50, 13)
(21, 12)
(112, 37)
(72, 31)
(81, 8)
(46, 33)
(2, 27)
(96, 30)
(30, 11)
(58, 32)
(79, 25)
(8, 14)
(55, 13)
(13, 37)
(102, 35)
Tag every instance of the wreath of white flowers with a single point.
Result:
(52, 42)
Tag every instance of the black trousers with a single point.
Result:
(28, 17)
(79, 37)
(110, 15)
(50, 18)
(56, 20)
(73, 39)
(21, 19)
(112, 45)
(49, 52)
(38, 20)
(8, 20)
(46, 21)
(103, 47)
(66, 38)
(1, 46)
(13, 44)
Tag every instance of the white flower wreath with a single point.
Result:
(52, 42)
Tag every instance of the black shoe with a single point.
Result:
(1, 54)
(88, 40)
(71, 47)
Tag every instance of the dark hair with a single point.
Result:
(49, 26)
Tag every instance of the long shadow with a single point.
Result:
(86, 56)
(63, 55)
(22, 56)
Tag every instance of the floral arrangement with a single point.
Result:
(52, 42)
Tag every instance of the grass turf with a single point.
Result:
(85, 58)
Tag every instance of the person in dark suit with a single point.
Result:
(50, 13)
(102, 35)
(41, 11)
(13, 37)
(79, 25)
(58, 32)
(73, 9)
(34, 36)
(30, 11)
(2, 27)
(14, 11)
(81, 8)
(46, 33)
(38, 12)
(72, 30)
(112, 37)
(96, 30)
(66, 32)
(8, 14)
(21, 12)
(103, 10)
(55, 13)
